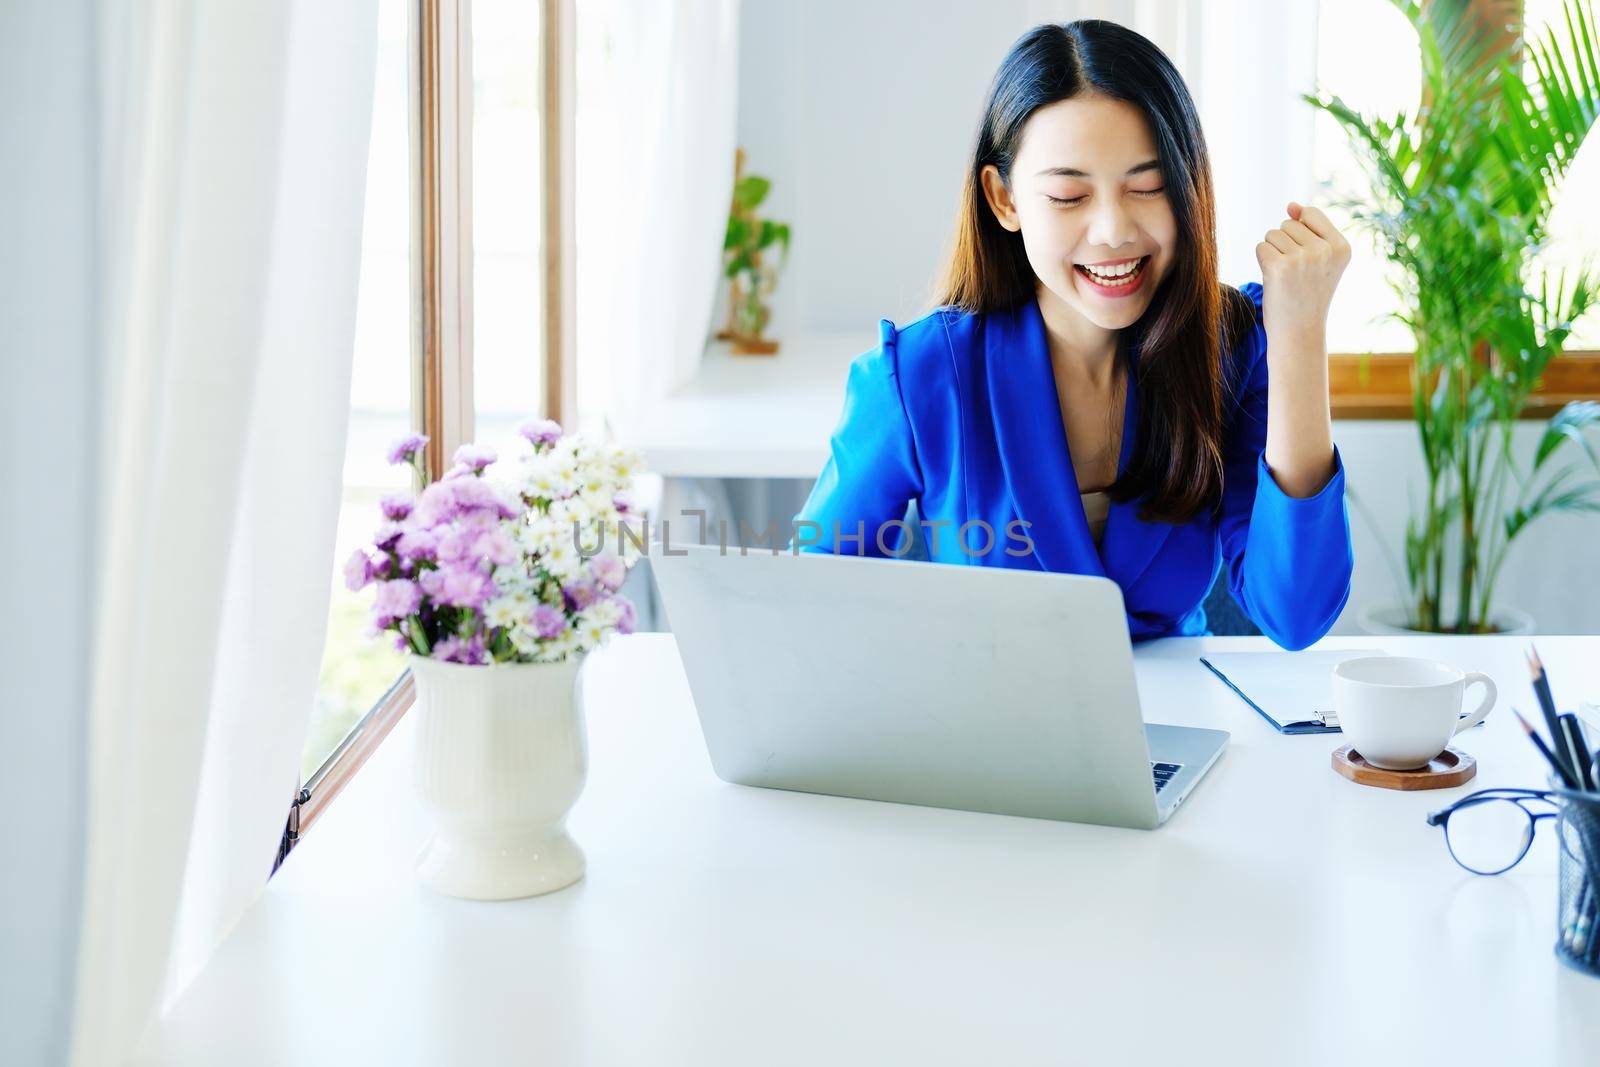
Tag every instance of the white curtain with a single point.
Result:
(658, 88)
(235, 146)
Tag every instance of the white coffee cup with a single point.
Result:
(1401, 711)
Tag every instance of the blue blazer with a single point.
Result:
(958, 413)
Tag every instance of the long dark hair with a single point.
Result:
(1177, 459)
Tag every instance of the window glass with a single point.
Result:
(356, 669)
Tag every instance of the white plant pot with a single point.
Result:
(1390, 620)
(501, 757)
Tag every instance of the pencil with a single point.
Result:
(1544, 749)
(1577, 755)
(1547, 704)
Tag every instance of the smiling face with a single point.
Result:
(1087, 194)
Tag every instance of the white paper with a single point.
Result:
(1289, 687)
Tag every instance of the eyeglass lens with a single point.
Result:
(1489, 836)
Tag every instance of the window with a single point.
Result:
(463, 288)
(1366, 53)
(1575, 222)
(508, 312)
(356, 669)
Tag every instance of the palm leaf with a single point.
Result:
(1569, 424)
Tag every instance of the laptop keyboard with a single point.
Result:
(1163, 772)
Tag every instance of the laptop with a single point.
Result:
(977, 688)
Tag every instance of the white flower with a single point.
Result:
(595, 500)
(559, 648)
(624, 462)
(526, 642)
(507, 611)
(604, 613)
(548, 480)
(575, 509)
(561, 559)
(591, 626)
(584, 451)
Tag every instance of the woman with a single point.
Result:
(1089, 398)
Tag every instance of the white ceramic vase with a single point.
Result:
(501, 757)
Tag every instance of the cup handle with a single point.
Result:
(1483, 709)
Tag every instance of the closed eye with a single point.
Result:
(1069, 201)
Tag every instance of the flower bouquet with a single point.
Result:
(498, 589)
(473, 571)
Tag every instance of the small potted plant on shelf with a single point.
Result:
(747, 263)
(1459, 193)
(497, 591)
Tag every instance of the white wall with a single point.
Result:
(863, 115)
(1552, 570)
(48, 446)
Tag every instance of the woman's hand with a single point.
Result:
(1301, 262)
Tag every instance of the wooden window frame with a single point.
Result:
(1378, 385)
(440, 46)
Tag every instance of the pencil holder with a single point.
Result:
(1578, 920)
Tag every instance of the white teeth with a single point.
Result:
(1121, 274)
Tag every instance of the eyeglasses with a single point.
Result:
(1488, 832)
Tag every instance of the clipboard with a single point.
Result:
(1292, 691)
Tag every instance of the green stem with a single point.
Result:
(411, 626)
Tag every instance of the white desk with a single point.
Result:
(1284, 916)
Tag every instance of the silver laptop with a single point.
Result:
(952, 686)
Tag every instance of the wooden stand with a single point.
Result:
(1448, 769)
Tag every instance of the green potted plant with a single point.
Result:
(1459, 195)
(745, 262)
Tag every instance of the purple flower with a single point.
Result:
(454, 650)
(476, 495)
(580, 594)
(387, 535)
(396, 506)
(548, 622)
(395, 600)
(474, 457)
(472, 544)
(609, 570)
(436, 505)
(357, 570)
(407, 447)
(628, 618)
(417, 544)
(463, 587)
(541, 431)
(460, 497)
(623, 501)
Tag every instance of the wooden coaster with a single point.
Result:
(1449, 768)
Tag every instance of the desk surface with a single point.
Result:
(1284, 915)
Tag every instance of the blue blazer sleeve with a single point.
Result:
(1289, 558)
(871, 474)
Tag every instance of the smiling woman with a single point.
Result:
(1084, 345)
